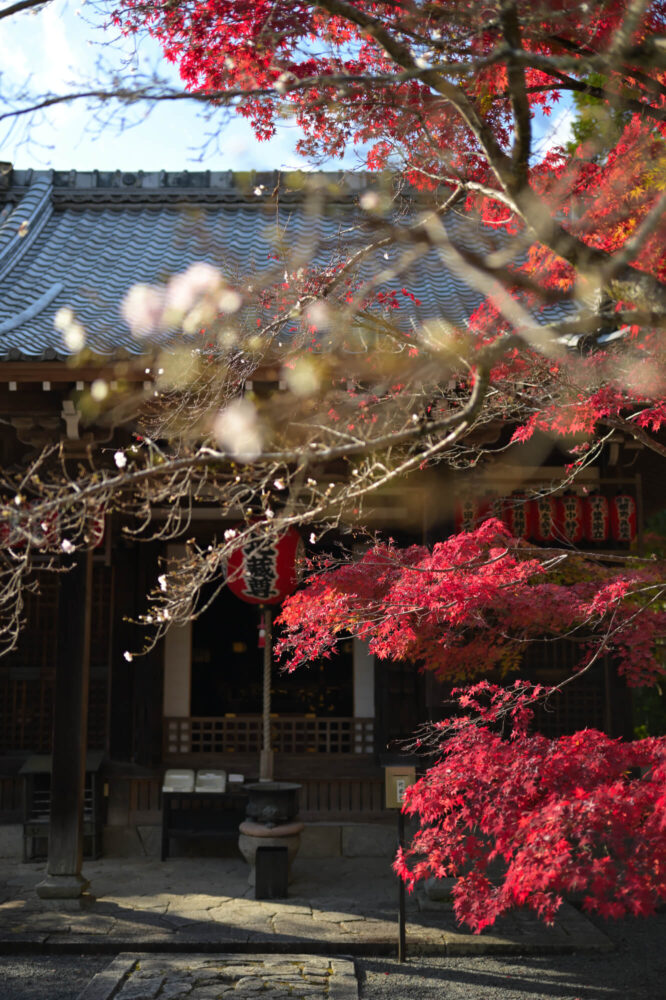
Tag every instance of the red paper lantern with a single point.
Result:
(490, 507)
(263, 569)
(466, 514)
(516, 509)
(596, 519)
(623, 518)
(23, 523)
(543, 519)
(570, 517)
(95, 525)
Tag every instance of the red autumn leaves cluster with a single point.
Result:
(522, 820)
(471, 604)
(516, 818)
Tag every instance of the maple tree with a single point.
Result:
(462, 607)
(564, 816)
(561, 816)
(566, 341)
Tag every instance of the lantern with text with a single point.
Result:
(263, 569)
(543, 513)
(466, 514)
(623, 518)
(570, 517)
(597, 519)
(515, 515)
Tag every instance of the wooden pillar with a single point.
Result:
(124, 636)
(64, 879)
(266, 757)
(364, 692)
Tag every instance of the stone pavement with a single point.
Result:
(200, 977)
(342, 906)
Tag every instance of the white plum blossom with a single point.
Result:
(73, 333)
(370, 201)
(313, 538)
(66, 546)
(63, 318)
(303, 378)
(128, 656)
(237, 429)
(229, 300)
(162, 580)
(229, 534)
(142, 309)
(99, 390)
(318, 314)
(120, 458)
(279, 484)
(75, 337)
(283, 82)
(186, 289)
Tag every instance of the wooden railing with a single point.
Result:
(321, 799)
(343, 799)
(289, 734)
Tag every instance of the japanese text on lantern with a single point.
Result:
(260, 571)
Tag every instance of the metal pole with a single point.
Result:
(266, 756)
(402, 935)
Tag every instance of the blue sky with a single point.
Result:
(59, 48)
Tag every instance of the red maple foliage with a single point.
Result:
(522, 820)
(563, 816)
(463, 607)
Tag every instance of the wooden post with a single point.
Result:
(64, 879)
(402, 920)
(266, 764)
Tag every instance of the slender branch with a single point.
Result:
(16, 8)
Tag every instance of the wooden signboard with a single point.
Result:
(397, 781)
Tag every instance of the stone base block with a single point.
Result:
(369, 840)
(84, 902)
(248, 847)
(11, 840)
(62, 887)
(321, 840)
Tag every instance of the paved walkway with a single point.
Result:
(345, 906)
(200, 977)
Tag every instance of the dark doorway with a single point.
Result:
(227, 669)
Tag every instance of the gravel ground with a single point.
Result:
(636, 971)
(47, 977)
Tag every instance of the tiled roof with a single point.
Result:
(83, 239)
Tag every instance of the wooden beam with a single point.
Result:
(65, 371)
